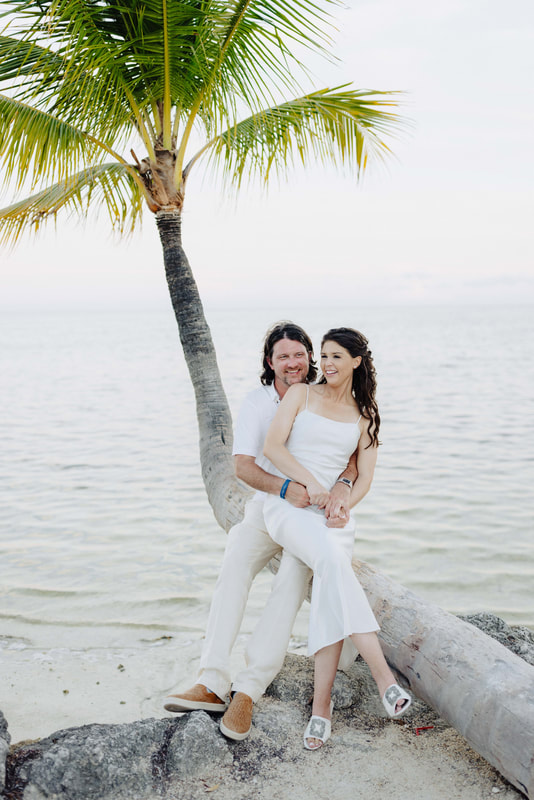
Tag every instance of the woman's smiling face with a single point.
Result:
(337, 364)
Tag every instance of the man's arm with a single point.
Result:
(247, 470)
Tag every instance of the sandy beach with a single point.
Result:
(410, 759)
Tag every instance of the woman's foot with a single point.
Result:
(319, 727)
(396, 701)
(317, 733)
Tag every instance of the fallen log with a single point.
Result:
(476, 684)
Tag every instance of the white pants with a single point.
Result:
(248, 550)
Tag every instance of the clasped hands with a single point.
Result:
(334, 502)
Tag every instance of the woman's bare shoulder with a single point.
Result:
(294, 399)
(297, 390)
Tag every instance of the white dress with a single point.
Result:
(339, 606)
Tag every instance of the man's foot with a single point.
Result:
(237, 721)
(198, 698)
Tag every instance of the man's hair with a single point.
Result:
(285, 330)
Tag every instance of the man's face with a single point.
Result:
(290, 363)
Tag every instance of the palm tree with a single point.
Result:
(86, 81)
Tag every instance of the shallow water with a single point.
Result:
(104, 521)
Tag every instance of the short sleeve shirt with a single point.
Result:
(254, 418)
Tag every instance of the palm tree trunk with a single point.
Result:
(226, 495)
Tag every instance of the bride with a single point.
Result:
(311, 438)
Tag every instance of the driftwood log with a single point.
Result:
(476, 684)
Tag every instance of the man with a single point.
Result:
(287, 359)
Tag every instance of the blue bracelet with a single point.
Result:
(283, 490)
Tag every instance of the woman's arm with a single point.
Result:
(366, 462)
(275, 445)
(366, 469)
(337, 509)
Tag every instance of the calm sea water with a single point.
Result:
(103, 516)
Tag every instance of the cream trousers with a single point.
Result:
(248, 550)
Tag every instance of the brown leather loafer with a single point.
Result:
(198, 698)
(237, 721)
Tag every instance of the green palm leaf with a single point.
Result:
(103, 70)
(20, 60)
(111, 186)
(339, 126)
(34, 143)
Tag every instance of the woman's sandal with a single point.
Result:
(318, 728)
(392, 696)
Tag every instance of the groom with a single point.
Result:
(287, 359)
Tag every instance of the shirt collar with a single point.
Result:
(273, 394)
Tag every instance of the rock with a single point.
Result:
(110, 762)
(294, 683)
(5, 739)
(196, 744)
(518, 639)
(278, 721)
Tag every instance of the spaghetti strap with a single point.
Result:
(307, 393)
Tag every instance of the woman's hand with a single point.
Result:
(337, 509)
(319, 496)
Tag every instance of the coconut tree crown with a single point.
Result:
(86, 81)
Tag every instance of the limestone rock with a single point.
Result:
(195, 746)
(518, 639)
(110, 762)
(294, 683)
(5, 739)
(278, 721)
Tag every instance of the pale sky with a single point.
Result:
(449, 220)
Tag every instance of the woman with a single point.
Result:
(310, 440)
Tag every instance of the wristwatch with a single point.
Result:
(346, 481)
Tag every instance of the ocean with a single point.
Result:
(104, 523)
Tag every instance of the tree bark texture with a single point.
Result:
(476, 684)
(226, 495)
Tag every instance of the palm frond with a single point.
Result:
(21, 60)
(244, 49)
(86, 81)
(111, 187)
(339, 126)
(34, 143)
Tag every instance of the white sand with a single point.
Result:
(45, 690)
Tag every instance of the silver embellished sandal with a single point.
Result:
(391, 697)
(318, 728)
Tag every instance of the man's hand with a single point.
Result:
(337, 509)
(297, 495)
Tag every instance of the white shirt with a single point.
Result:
(254, 418)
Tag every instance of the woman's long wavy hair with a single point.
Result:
(285, 330)
(363, 377)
